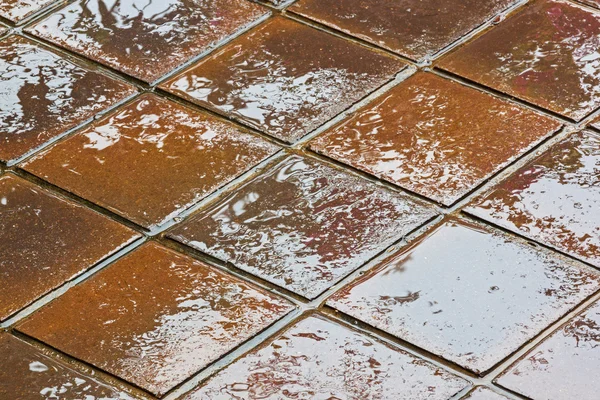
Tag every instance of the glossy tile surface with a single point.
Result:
(145, 38)
(43, 95)
(46, 240)
(151, 159)
(548, 54)
(319, 359)
(154, 317)
(435, 137)
(27, 373)
(564, 366)
(554, 199)
(593, 3)
(266, 80)
(484, 393)
(467, 294)
(17, 10)
(413, 28)
(303, 225)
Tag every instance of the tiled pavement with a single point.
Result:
(308, 199)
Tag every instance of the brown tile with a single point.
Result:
(27, 373)
(145, 39)
(151, 159)
(548, 54)
(484, 393)
(468, 294)
(413, 28)
(155, 317)
(554, 199)
(266, 80)
(319, 359)
(564, 366)
(18, 10)
(44, 94)
(435, 137)
(46, 240)
(303, 225)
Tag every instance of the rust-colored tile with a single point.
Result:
(145, 38)
(435, 137)
(319, 359)
(554, 199)
(548, 54)
(468, 294)
(155, 317)
(151, 159)
(46, 240)
(267, 80)
(413, 28)
(303, 225)
(484, 393)
(28, 373)
(564, 366)
(18, 10)
(42, 95)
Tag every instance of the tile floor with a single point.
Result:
(299, 199)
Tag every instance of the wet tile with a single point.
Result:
(554, 199)
(154, 317)
(468, 294)
(145, 38)
(435, 137)
(18, 10)
(151, 159)
(43, 95)
(27, 373)
(46, 240)
(266, 80)
(548, 54)
(319, 359)
(564, 366)
(484, 393)
(303, 225)
(413, 28)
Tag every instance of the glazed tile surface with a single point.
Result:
(484, 393)
(483, 296)
(435, 137)
(43, 94)
(553, 199)
(150, 159)
(548, 54)
(17, 10)
(319, 359)
(264, 80)
(155, 335)
(46, 240)
(145, 38)
(303, 225)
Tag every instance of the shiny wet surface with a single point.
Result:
(303, 225)
(434, 137)
(319, 359)
(46, 240)
(43, 95)
(483, 297)
(264, 80)
(548, 54)
(554, 199)
(145, 38)
(155, 335)
(17, 10)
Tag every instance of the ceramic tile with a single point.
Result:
(484, 393)
(18, 10)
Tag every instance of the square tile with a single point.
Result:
(320, 359)
(303, 225)
(484, 393)
(146, 39)
(28, 373)
(42, 95)
(46, 240)
(151, 159)
(413, 28)
(564, 366)
(155, 317)
(468, 294)
(435, 137)
(547, 54)
(18, 10)
(267, 80)
(554, 199)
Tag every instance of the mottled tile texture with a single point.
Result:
(17, 10)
